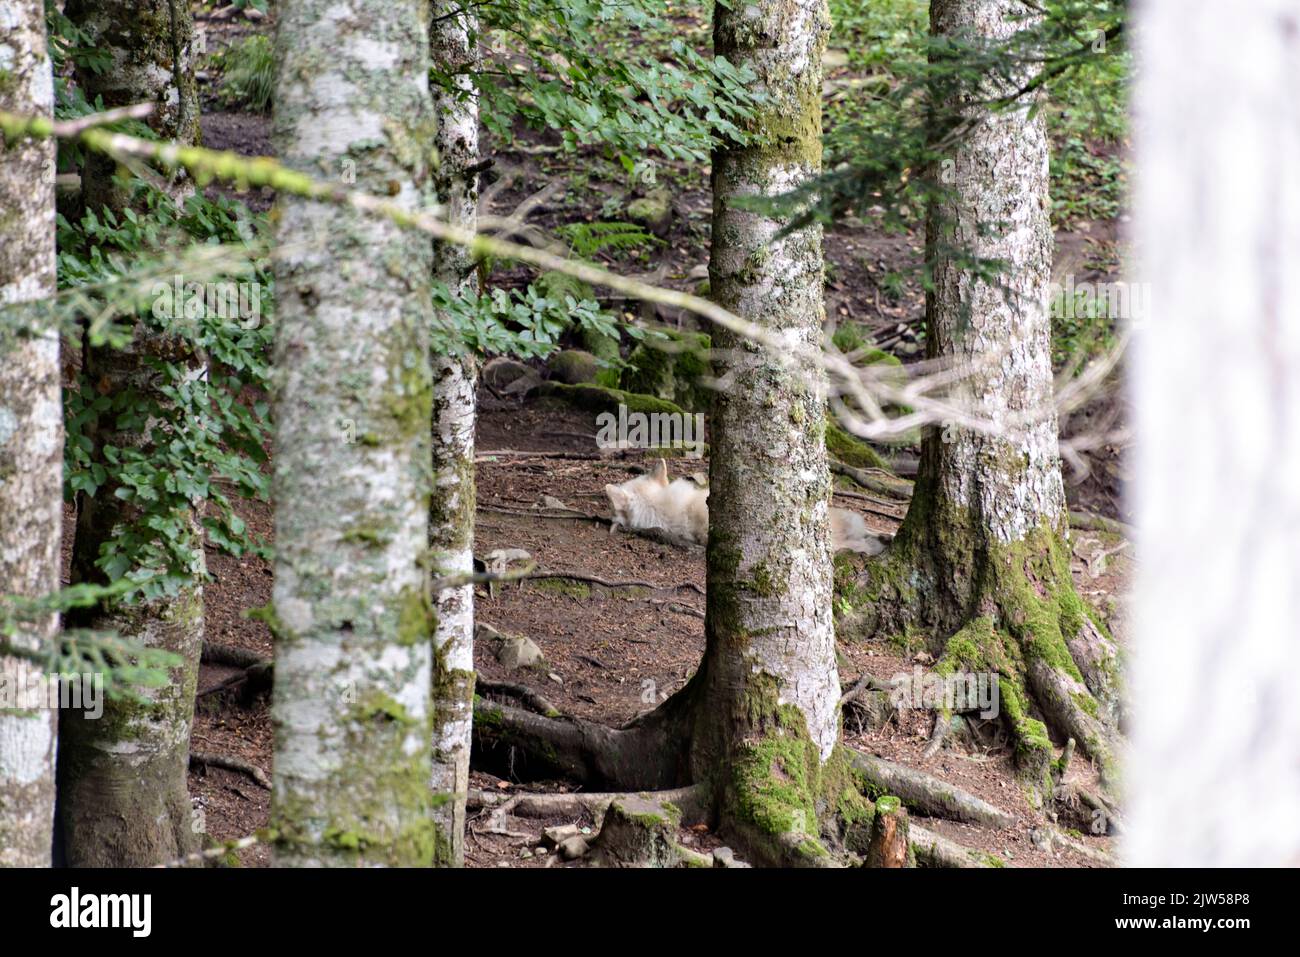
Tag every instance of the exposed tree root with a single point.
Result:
(231, 656)
(1010, 610)
(1079, 847)
(694, 802)
(648, 754)
(1089, 522)
(883, 484)
(927, 794)
(231, 764)
(935, 850)
(521, 693)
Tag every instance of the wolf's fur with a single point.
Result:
(681, 508)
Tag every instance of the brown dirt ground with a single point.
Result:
(603, 646)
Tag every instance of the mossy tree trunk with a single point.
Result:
(124, 799)
(767, 720)
(981, 563)
(454, 53)
(1216, 399)
(31, 434)
(353, 618)
(150, 50)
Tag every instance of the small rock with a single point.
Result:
(511, 651)
(573, 366)
(573, 848)
(654, 211)
(525, 852)
(500, 373)
(554, 677)
(519, 652)
(559, 834)
(726, 857)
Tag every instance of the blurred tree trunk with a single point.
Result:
(1217, 403)
(353, 619)
(768, 688)
(454, 51)
(124, 797)
(31, 436)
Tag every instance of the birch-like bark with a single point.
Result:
(454, 51)
(981, 565)
(1214, 772)
(769, 670)
(353, 617)
(124, 798)
(997, 208)
(31, 436)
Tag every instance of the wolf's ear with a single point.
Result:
(617, 496)
(660, 472)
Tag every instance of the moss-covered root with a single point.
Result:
(785, 807)
(935, 850)
(1027, 642)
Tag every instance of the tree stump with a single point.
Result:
(638, 832)
(889, 843)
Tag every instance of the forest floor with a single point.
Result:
(612, 652)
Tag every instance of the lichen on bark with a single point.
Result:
(771, 723)
(454, 53)
(31, 433)
(352, 699)
(981, 562)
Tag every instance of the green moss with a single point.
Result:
(605, 348)
(851, 450)
(562, 586)
(416, 616)
(597, 398)
(673, 367)
(887, 804)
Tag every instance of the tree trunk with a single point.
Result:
(151, 60)
(353, 619)
(981, 563)
(454, 51)
(767, 691)
(124, 798)
(1217, 400)
(31, 436)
